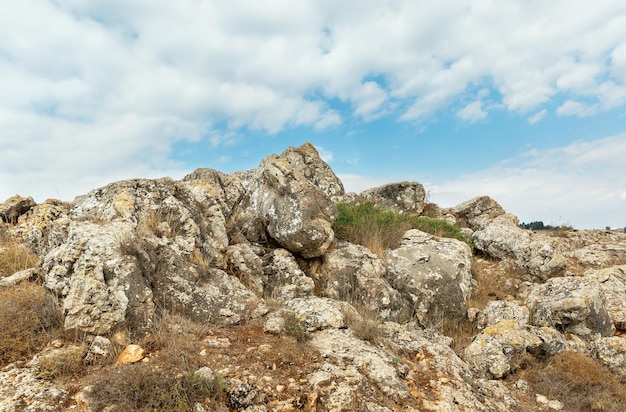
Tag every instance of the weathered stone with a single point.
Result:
(354, 274)
(306, 159)
(21, 276)
(573, 304)
(284, 278)
(498, 310)
(612, 283)
(429, 355)
(131, 354)
(341, 348)
(282, 200)
(433, 275)
(401, 197)
(246, 265)
(611, 351)
(318, 313)
(14, 207)
(476, 213)
(498, 349)
(23, 390)
(501, 238)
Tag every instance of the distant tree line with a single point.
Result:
(538, 225)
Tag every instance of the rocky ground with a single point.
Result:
(231, 292)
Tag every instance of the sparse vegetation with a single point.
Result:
(66, 362)
(292, 327)
(15, 256)
(29, 317)
(579, 382)
(379, 229)
(143, 387)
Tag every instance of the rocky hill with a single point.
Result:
(233, 292)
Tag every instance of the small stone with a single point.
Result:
(415, 394)
(555, 405)
(541, 399)
(203, 352)
(280, 388)
(131, 354)
(522, 385)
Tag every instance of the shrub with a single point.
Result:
(14, 257)
(579, 382)
(292, 327)
(63, 362)
(379, 229)
(28, 318)
(142, 387)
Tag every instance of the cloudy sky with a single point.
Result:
(524, 101)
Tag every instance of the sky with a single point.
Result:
(523, 101)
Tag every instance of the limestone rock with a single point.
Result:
(612, 283)
(284, 278)
(243, 263)
(476, 213)
(433, 275)
(611, 351)
(281, 199)
(428, 354)
(575, 304)
(363, 360)
(306, 159)
(318, 313)
(496, 351)
(401, 197)
(498, 310)
(501, 238)
(22, 389)
(14, 207)
(354, 274)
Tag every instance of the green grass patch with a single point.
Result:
(379, 229)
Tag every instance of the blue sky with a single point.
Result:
(524, 101)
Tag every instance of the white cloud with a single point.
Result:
(106, 88)
(574, 108)
(564, 183)
(473, 112)
(537, 116)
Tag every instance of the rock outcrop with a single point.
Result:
(434, 275)
(230, 267)
(401, 197)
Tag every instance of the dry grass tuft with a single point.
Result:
(66, 362)
(579, 382)
(29, 317)
(495, 280)
(15, 256)
(143, 387)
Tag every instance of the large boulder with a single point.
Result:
(307, 160)
(612, 283)
(501, 238)
(136, 245)
(498, 349)
(611, 351)
(14, 207)
(572, 304)
(354, 274)
(476, 213)
(401, 197)
(433, 275)
(282, 200)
